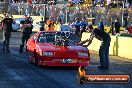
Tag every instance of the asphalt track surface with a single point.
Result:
(17, 72)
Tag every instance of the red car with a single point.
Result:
(55, 48)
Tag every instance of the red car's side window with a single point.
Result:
(34, 37)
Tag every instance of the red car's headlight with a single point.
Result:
(82, 54)
(47, 53)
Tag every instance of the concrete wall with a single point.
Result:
(119, 46)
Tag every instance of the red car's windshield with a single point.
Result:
(54, 37)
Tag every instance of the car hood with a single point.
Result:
(52, 47)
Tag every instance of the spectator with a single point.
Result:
(10, 8)
(50, 27)
(28, 9)
(101, 25)
(34, 10)
(35, 2)
(71, 17)
(37, 10)
(77, 26)
(93, 3)
(42, 24)
(127, 4)
(50, 24)
(125, 18)
(93, 16)
(84, 24)
(79, 16)
(60, 21)
(102, 2)
(112, 28)
(42, 12)
(20, 10)
(61, 15)
(29, 1)
(117, 26)
(108, 2)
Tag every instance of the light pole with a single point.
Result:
(66, 16)
(45, 10)
(123, 12)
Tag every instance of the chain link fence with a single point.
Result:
(68, 14)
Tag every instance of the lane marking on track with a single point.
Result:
(13, 74)
(15, 52)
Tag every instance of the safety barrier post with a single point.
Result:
(116, 46)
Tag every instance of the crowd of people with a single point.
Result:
(66, 13)
(22, 8)
(103, 13)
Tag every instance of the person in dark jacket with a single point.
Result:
(104, 48)
(26, 31)
(7, 28)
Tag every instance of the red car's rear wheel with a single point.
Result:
(26, 49)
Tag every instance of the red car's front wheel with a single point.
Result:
(35, 59)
